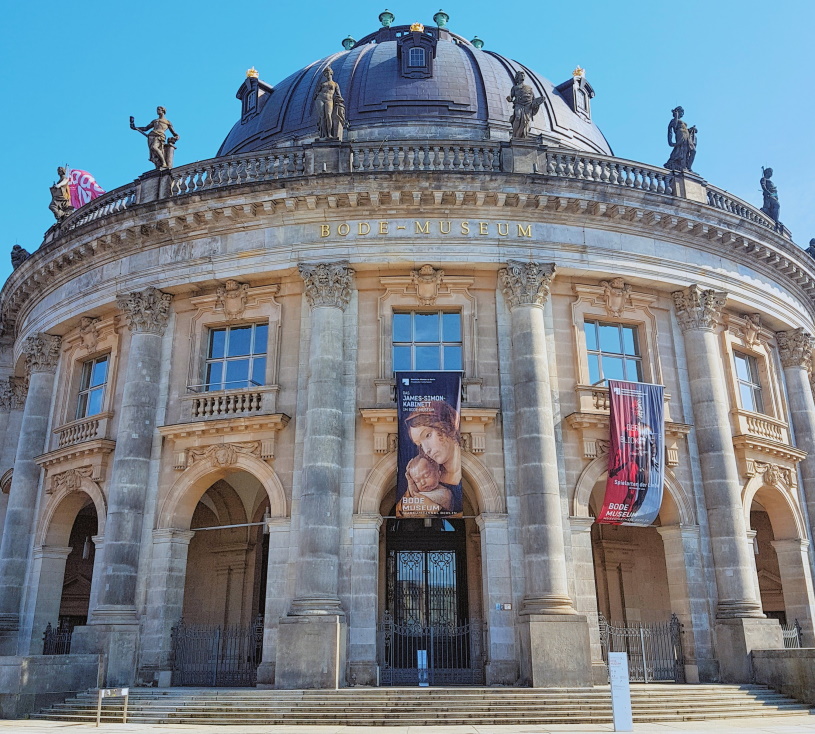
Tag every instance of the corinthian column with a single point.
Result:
(41, 355)
(795, 350)
(699, 312)
(564, 651)
(316, 621)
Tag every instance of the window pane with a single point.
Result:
(591, 335)
(742, 370)
(610, 338)
(259, 371)
(261, 338)
(452, 358)
(746, 393)
(401, 327)
(85, 380)
(240, 341)
(630, 345)
(594, 368)
(95, 401)
(82, 406)
(757, 401)
(451, 327)
(401, 358)
(426, 327)
(427, 358)
(217, 338)
(613, 368)
(633, 370)
(237, 373)
(214, 376)
(99, 374)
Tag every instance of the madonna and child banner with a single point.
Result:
(636, 466)
(429, 466)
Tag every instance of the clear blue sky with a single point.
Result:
(73, 72)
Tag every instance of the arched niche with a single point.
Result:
(777, 501)
(62, 508)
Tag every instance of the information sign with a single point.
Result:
(620, 691)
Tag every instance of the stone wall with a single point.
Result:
(792, 672)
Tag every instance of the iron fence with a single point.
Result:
(654, 648)
(56, 641)
(792, 635)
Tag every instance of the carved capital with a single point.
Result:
(795, 348)
(526, 283)
(697, 308)
(13, 394)
(147, 311)
(327, 284)
(41, 353)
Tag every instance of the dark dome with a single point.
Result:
(464, 98)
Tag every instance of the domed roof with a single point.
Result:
(460, 94)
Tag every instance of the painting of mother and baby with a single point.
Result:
(429, 467)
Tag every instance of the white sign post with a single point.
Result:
(620, 691)
(112, 693)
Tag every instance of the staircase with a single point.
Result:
(427, 706)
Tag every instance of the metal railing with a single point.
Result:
(654, 648)
(792, 635)
(57, 641)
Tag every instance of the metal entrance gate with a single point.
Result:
(207, 655)
(654, 649)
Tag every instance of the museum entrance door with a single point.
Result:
(426, 636)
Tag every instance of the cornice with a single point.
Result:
(318, 199)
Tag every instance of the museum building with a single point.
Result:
(198, 396)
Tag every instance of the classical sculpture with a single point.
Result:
(329, 108)
(525, 106)
(683, 141)
(160, 148)
(61, 195)
(771, 206)
(18, 256)
(810, 249)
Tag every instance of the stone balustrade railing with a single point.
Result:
(606, 170)
(722, 200)
(109, 203)
(85, 429)
(236, 170)
(761, 426)
(417, 157)
(227, 403)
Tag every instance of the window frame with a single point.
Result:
(87, 367)
(421, 53)
(636, 357)
(222, 385)
(753, 383)
(442, 343)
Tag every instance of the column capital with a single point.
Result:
(368, 520)
(795, 348)
(526, 283)
(147, 311)
(487, 519)
(787, 545)
(13, 393)
(327, 284)
(172, 535)
(41, 353)
(581, 524)
(697, 308)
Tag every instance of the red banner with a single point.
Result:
(83, 188)
(636, 455)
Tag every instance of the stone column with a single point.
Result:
(740, 623)
(502, 658)
(364, 611)
(796, 583)
(98, 571)
(277, 576)
(165, 603)
(556, 638)
(795, 350)
(116, 635)
(306, 655)
(42, 353)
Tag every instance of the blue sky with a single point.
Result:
(75, 72)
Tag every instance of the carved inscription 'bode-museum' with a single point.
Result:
(427, 226)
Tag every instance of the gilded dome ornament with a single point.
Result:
(417, 27)
(252, 73)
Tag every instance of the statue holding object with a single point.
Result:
(683, 141)
(329, 108)
(61, 195)
(525, 107)
(771, 206)
(161, 149)
(18, 256)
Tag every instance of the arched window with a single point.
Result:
(416, 57)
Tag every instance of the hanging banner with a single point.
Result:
(428, 480)
(83, 188)
(636, 466)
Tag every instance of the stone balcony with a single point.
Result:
(258, 400)
(760, 426)
(84, 429)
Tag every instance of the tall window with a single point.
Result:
(427, 341)
(92, 387)
(416, 57)
(613, 351)
(236, 357)
(749, 383)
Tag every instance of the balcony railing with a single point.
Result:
(227, 403)
(761, 426)
(611, 171)
(84, 429)
(413, 157)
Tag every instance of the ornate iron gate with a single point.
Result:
(207, 655)
(654, 649)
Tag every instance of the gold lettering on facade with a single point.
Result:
(465, 228)
(383, 227)
(367, 227)
(325, 230)
(444, 227)
(505, 231)
(483, 228)
(427, 226)
(525, 231)
(343, 229)
(422, 230)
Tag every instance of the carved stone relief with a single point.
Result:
(795, 348)
(70, 480)
(147, 311)
(697, 308)
(617, 295)
(526, 283)
(751, 329)
(232, 297)
(41, 353)
(13, 393)
(427, 281)
(89, 333)
(327, 284)
(223, 454)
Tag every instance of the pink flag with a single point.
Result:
(83, 188)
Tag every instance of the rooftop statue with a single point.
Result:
(811, 248)
(771, 206)
(329, 108)
(683, 141)
(61, 195)
(161, 150)
(18, 256)
(525, 106)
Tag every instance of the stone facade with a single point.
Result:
(310, 251)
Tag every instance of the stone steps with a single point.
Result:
(428, 706)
